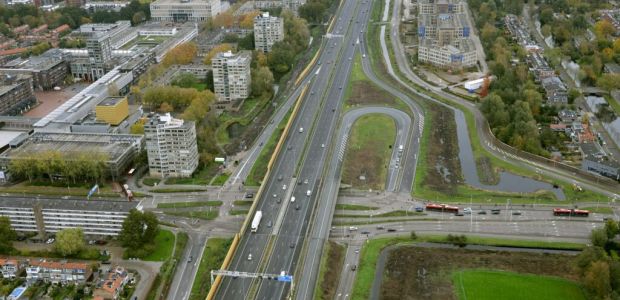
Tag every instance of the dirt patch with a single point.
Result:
(424, 273)
(443, 172)
(365, 93)
(251, 131)
(487, 174)
(335, 259)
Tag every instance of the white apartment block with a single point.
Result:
(426, 7)
(184, 10)
(231, 77)
(459, 55)
(292, 5)
(95, 217)
(171, 146)
(267, 31)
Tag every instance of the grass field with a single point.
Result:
(491, 285)
(220, 179)
(189, 204)
(171, 190)
(355, 207)
(164, 243)
(243, 202)
(368, 151)
(212, 259)
(600, 209)
(236, 212)
(204, 215)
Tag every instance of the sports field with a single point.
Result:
(487, 284)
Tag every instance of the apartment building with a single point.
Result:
(292, 5)
(184, 10)
(42, 215)
(58, 272)
(267, 31)
(171, 146)
(16, 94)
(48, 70)
(231, 78)
(444, 34)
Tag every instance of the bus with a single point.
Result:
(570, 212)
(442, 208)
(256, 221)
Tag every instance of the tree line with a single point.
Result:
(57, 166)
(598, 264)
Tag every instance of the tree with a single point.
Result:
(224, 19)
(598, 237)
(247, 20)
(609, 82)
(138, 18)
(413, 235)
(139, 229)
(182, 54)
(184, 80)
(457, 240)
(596, 279)
(69, 241)
(603, 29)
(262, 81)
(7, 235)
(313, 11)
(199, 108)
(611, 229)
(137, 128)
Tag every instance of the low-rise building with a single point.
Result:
(10, 268)
(113, 284)
(42, 215)
(58, 272)
(459, 55)
(47, 70)
(112, 110)
(555, 90)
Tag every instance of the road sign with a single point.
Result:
(286, 278)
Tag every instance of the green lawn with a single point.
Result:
(600, 209)
(491, 285)
(235, 212)
(204, 215)
(150, 181)
(174, 190)
(164, 243)
(212, 258)
(189, 204)
(396, 213)
(243, 202)
(220, 179)
(355, 207)
(199, 86)
(368, 151)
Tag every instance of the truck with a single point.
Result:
(256, 221)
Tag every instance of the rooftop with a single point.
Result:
(111, 101)
(70, 204)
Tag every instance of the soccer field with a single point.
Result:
(476, 284)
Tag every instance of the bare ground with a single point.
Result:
(365, 93)
(335, 259)
(424, 273)
(488, 175)
(442, 159)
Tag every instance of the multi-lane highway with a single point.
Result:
(275, 250)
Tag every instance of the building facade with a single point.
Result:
(267, 31)
(58, 272)
(48, 70)
(184, 10)
(171, 146)
(112, 110)
(40, 215)
(231, 78)
(292, 5)
(16, 94)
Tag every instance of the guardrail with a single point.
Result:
(238, 236)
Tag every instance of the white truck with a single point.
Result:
(256, 221)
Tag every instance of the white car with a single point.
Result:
(293, 199)
(50, 241)
(352, 228)
(308, 193)
(467, 210)
(250, 256)
(284, 186)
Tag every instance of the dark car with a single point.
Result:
(419, 209)
(459, 214)
(495, 211)
(297, 207)
(100, 242)
(365, 232)
(516, 213)
(380, 227)
(391, 230)
(482, 212)
(249, 195)
(292, 245)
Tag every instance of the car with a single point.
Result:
(308, 193)
(306, 181)
(91, 242)
(299, 182)
(467, 210)
(350, 58)
(280, 178)
(319, 62)
(189, 260)
(482, 212)
(340, 87)
(357, 250)
(284, 186)
(278, 200)
(322, 145)
(250, 256)
(312, 93)
(301, 129)
(352, 228)
(365, 232)
(249, 195)
(459, 214)
(495, 211)
(419, 209)
(516, 213)
(364, 55)
(275, 195)
(291, 245)
(297, 207)
(380, 227)
(353, 267)
(293, 199)
(289, 148)
(50, 241)
(269, 224)
(391, 230)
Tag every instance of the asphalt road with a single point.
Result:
(187, 267)
(323, 99)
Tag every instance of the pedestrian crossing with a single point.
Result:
(343, 147)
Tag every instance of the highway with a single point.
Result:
(324, 96)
